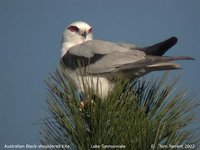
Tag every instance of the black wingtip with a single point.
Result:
(173, 40)
(167, 44)
(160, 48)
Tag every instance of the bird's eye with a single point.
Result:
(73, 28)
(90, 30)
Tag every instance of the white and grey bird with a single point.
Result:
(104, 61)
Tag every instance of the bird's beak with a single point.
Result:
(84, 34)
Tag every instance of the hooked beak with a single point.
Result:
(84, 34)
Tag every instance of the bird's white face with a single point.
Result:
(74, 34)
(79, 31)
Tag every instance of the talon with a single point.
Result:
(82, 105)
(92, 102)
(85, 104)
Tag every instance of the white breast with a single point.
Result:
(100, 85)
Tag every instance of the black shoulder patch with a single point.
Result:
(73, 61)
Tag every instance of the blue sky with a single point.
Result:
(30, 35)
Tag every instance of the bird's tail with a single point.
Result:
(160, 48)
(165, 63)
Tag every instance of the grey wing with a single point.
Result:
(101, 57)
(124, 61)
(157, 49)
(90, 48)
(116, 61)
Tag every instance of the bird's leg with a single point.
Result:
(86, 103)
(81, 97)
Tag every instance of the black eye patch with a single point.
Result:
(73, 28)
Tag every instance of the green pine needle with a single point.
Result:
(136, 114)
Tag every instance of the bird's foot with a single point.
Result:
(84, 104)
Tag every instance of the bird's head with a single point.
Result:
(74, 34)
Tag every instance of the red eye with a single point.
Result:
(73, 28)
(90, 30)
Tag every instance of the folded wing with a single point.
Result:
(102, 57)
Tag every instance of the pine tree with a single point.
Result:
(137, 115)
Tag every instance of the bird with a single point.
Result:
(97, 64)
